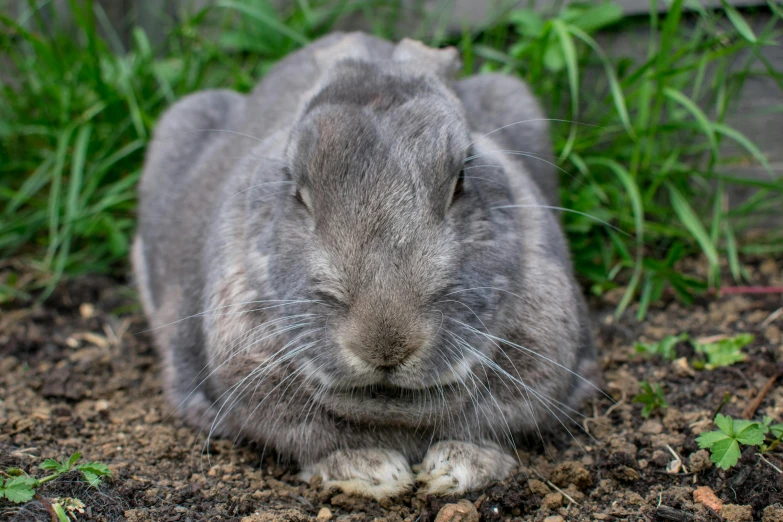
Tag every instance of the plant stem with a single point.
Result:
(49, 478)
(724, 402)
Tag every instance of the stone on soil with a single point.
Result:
(462, 511)
(736, 513)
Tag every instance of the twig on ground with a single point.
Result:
(714, 513)
(774, 315)
(566, 495)
(611, 408)
(743, 377)
(751, 408)
(48, 505)
(771, 464)
(669, 513)
(676, 456)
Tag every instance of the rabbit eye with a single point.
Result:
(458, 186)
(458, 189)
(302, 196)
(329, 299)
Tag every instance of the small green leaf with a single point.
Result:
(707, 440)
(751, 435)
(91, 478)
(663, 348)
(71, 461)
(725, 423)
(93, 471)
(724, 444)
(725, 453)
(19, 489)
(725, 352)
(51, 464)
(98, 468)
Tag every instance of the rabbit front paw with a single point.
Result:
(374, 473)
(453, 467)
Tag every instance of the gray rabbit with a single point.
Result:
(357, 266)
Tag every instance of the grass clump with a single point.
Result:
(651, 397)
(78, 110)
(665, 348)
(653, 163)
(642, 145)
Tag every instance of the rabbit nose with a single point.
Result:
(383, 353)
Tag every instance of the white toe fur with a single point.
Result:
(374, 473)
(452, 467)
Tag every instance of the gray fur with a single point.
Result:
(391, 281)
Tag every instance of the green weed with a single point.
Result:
(724, 352)
(19, 487)
(665, 348)
(724, 443)
(652, 397)
(711, 354)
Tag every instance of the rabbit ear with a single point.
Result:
(443, 62)
(347, 47)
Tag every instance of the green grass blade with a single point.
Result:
(704, 122)
(748, 145)
(733, 254)
(614, 85)
(54, 193)
(739, 22)
(691, 221)
(267, 20)
(634, 195)
(77, 172)
(31, 185)
(572, 66)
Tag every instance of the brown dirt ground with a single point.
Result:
(75, 377)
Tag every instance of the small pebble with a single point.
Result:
(737, 513)
(554, 518)
(651, 427)
(538, 487)
(699, 461)
(462, 511)
(325, 514)
(86, 310)
(552, 500)
(682, 368)
(705, 495)
(772, 514)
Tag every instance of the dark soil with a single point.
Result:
(75, 376)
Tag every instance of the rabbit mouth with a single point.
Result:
(389, 404)
(390, 392)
